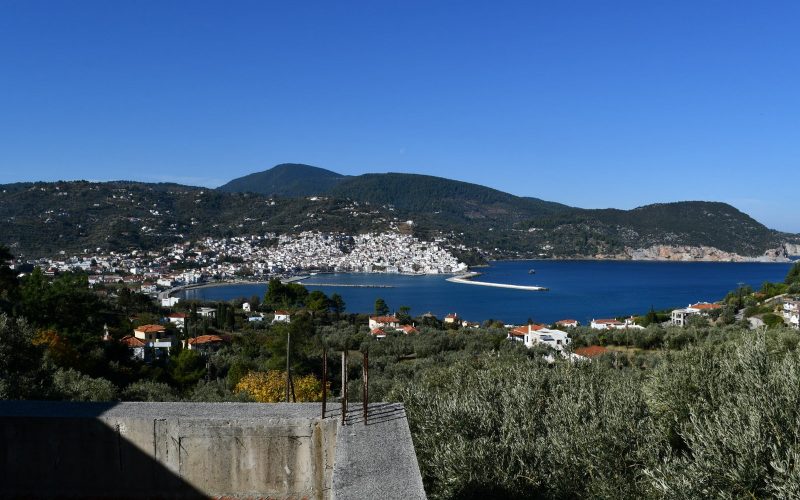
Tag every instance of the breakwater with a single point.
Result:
(348, 285)
(466, 279)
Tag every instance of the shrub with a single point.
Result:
(270, 387)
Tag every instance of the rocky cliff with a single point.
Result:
(700, 254)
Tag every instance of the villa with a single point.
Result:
(680, 317)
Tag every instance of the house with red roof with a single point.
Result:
(451, 318)
(568, 323)
(606, 324)
(378, 333)
(383, 322)
(178, 319)
(532, 335)
(680, 317)
(136, 346)
(154, 337)
(205, 343)
(282, 316)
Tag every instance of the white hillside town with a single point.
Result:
(259, 257)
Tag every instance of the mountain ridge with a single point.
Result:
(44, 218)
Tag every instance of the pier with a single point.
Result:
(349, 285)
(466, 279)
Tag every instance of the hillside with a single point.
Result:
(41, 219)
(691, 223)
(288, 180)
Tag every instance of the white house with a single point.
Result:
(383, 322)
(246, 307)
(166, 282)
(568, 323)
(791, 313)
(532, 335)
(282, 317)
(178, 319)
(606, 324)
(169, 301)
(451, 318)
(207, 312)
(680, 317)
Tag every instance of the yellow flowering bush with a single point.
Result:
(270, 387)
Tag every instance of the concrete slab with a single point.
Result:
(376, 460)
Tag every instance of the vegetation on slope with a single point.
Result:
(43, 218)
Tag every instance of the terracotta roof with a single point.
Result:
(566, 321)
(409, 329)
(705, 305)
(378, 331)
(452, 315)
(592, 351)
(204, 339)
(284, 313)
(179, 315)
(131, 341)
(149, 329)
(384, 319)
(523, 330)
(606, 322)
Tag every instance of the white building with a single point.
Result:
(383, 322)
(532, 335)
(680, 317)
(791, 313)
(282, 317)
(169, 301)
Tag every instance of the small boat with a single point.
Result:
(531, 271)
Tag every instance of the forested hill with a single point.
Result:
(41, 219)
(287, 180)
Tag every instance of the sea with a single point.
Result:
(581, 290)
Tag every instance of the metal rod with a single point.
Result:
(291, 385)
(344, 387)
(365, 385)
(324, 380)
(287, 366)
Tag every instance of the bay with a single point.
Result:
(580, 290)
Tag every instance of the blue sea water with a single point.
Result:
(579, 290)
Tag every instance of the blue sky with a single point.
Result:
(589, 103)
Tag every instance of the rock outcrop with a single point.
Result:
(700, 254)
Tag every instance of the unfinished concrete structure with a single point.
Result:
(204, 450)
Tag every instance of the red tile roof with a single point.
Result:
(378, 331)
(705, 306)
(384, 319)
(179, 315)
(409, 329)
(204, 339)
(131, 341)
(607, 322)
(282, 312)
(592, 351)
(149, 329)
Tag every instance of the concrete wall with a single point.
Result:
(202, 450)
